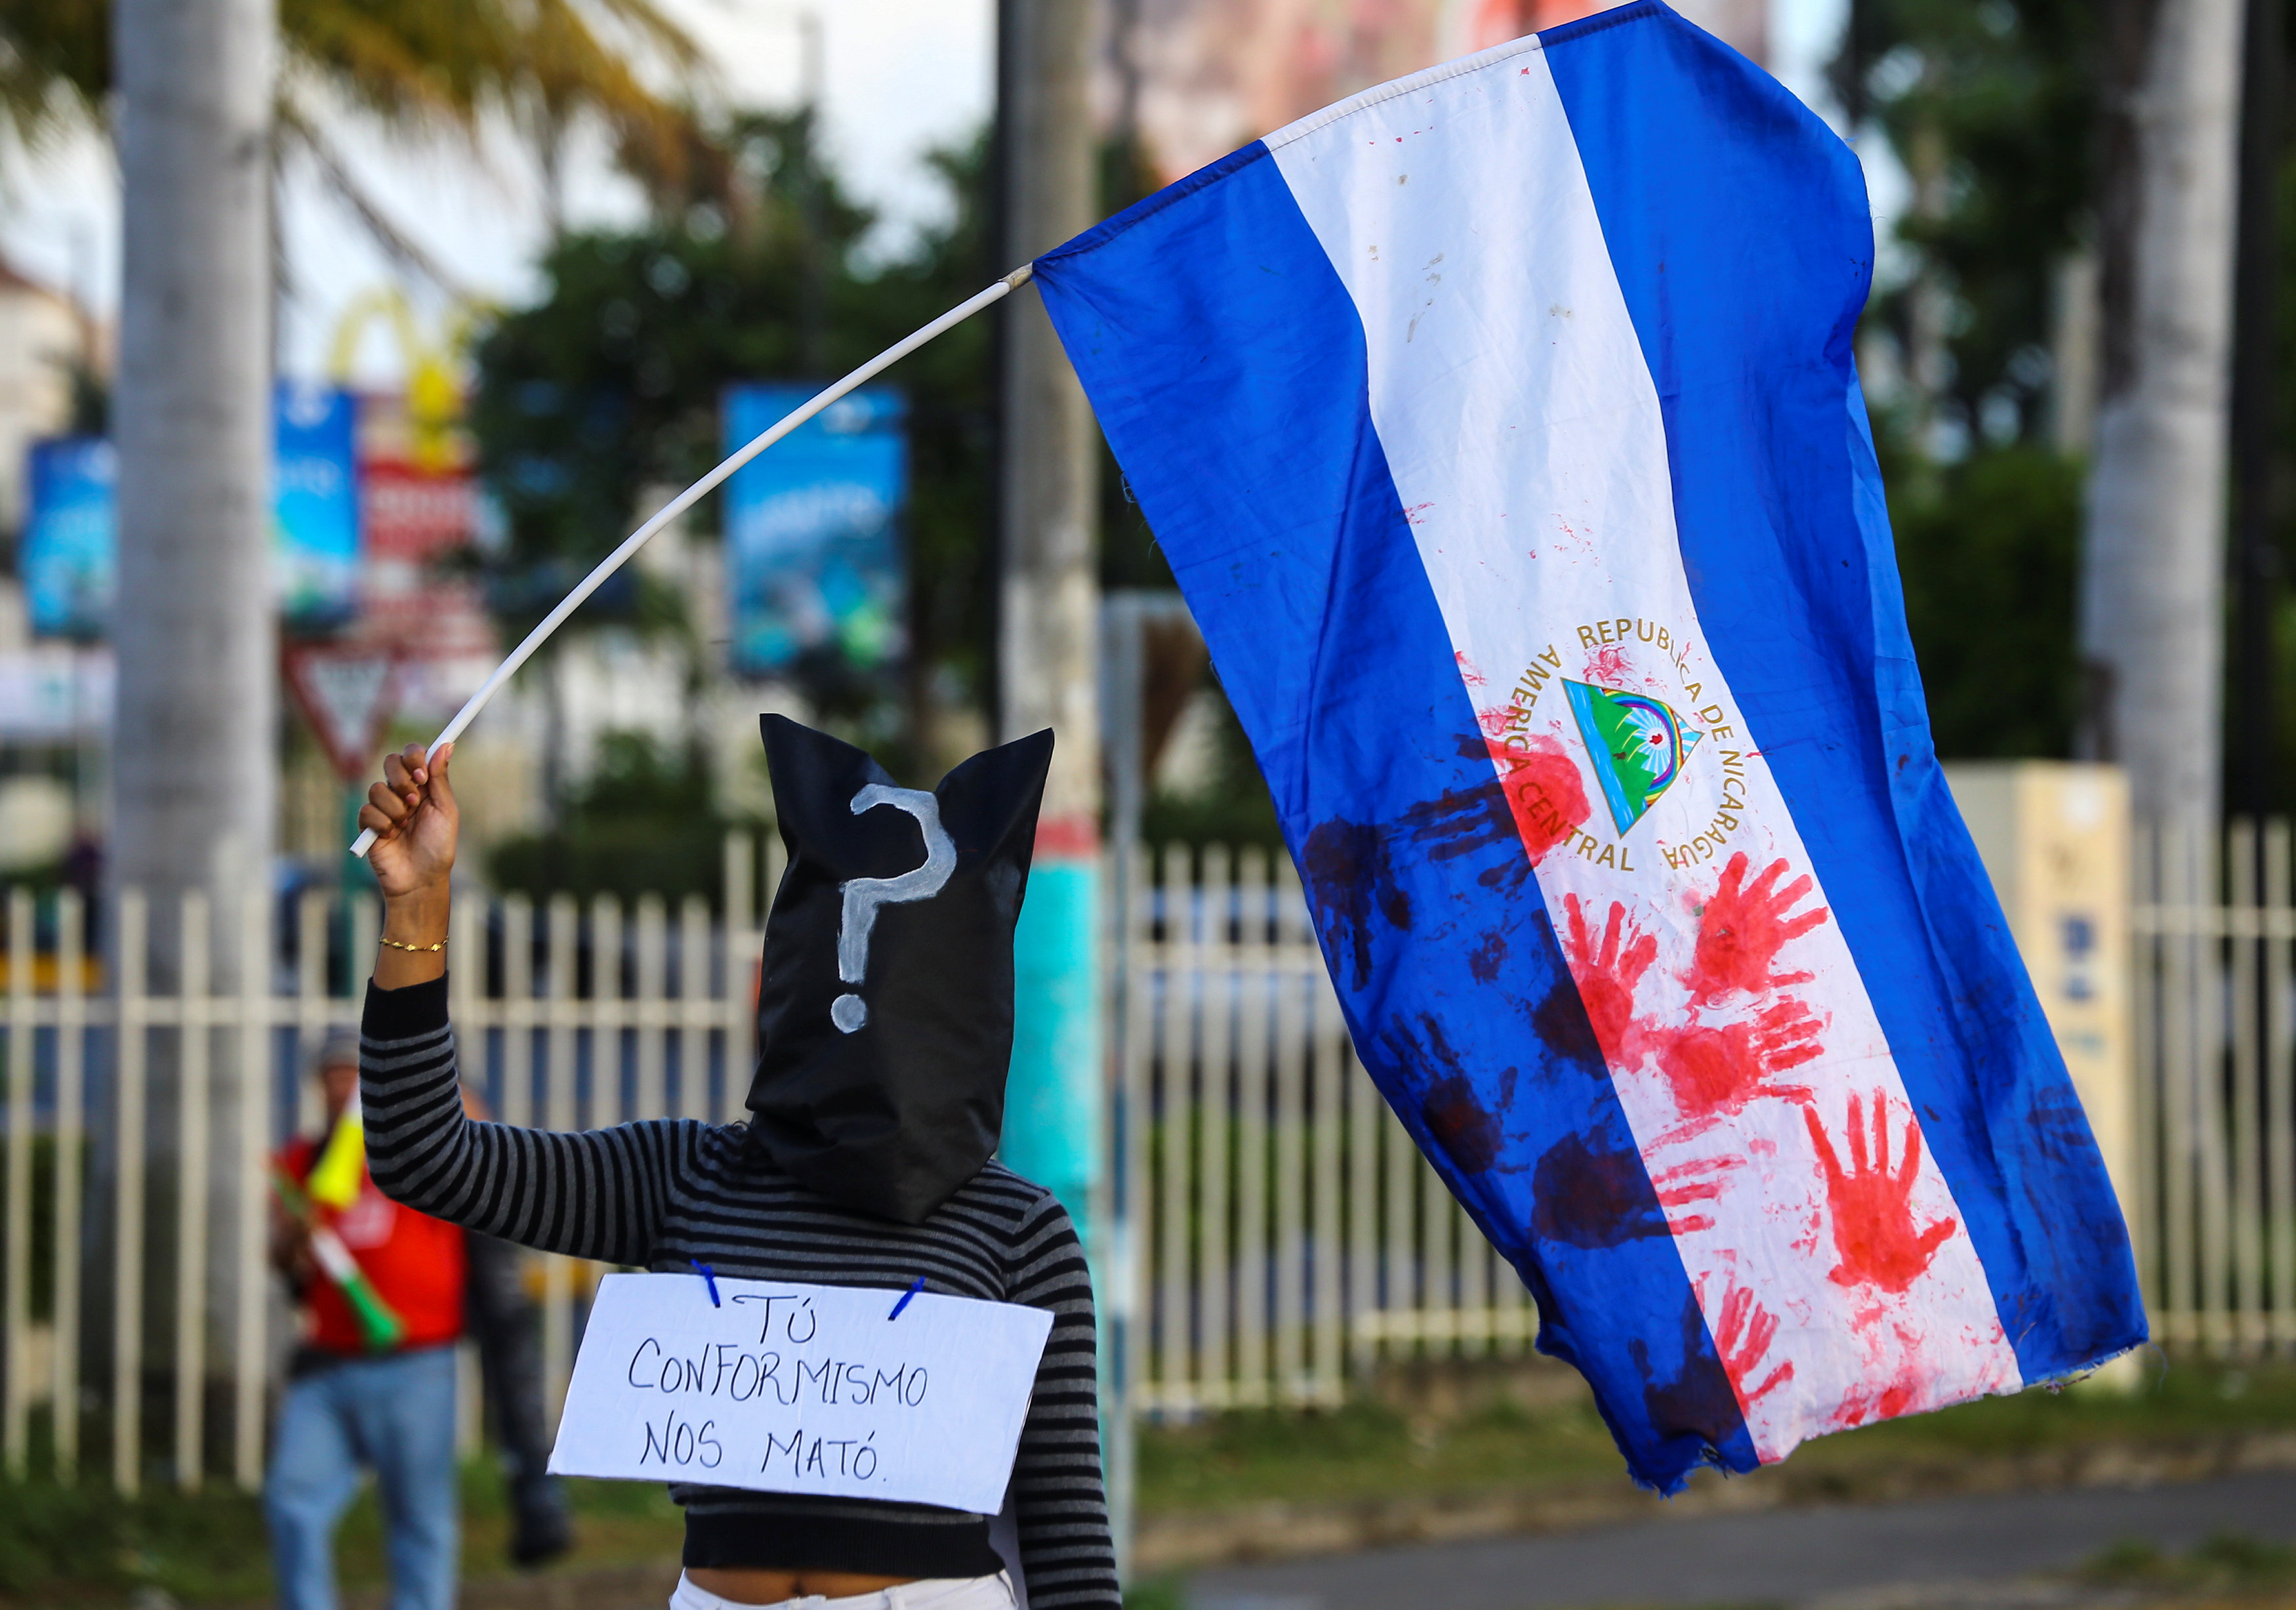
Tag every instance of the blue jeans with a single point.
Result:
(395, 1415)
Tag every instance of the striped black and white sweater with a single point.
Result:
(655, 1195)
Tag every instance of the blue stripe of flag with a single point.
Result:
(1737, 227)
(1228, 367)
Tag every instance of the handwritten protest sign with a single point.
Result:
(792, 1388)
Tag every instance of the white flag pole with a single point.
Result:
(687, 499)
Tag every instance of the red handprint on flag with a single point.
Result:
(1718, 1069)
(1874, 1231)
(1698, 1181)
(1741, 1337)
(1607, 973)
(1741, 931)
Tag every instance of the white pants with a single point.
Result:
(928, 1593)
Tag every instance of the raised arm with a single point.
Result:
(599, 1195)
(1059, 1502)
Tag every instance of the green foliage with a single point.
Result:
(611, 383)
(42, 1285)
(1235, 809)
(2225, 1562)
(435, 64)
(86, 1545)
(1994, 107)
(205, 1547)
(1988, 550)
(644, 822)
(56, 64)
(1553, 1440)
(1991, 107)
(1367, 1449)
(1157, 1593)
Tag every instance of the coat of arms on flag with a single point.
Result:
(1638, 745)
(1502, 430)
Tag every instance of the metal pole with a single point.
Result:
(813, 316)
(1049, 601)
(1047, 620)
(1122, 681)
(2256, 349)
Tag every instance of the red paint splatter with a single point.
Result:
(1606, 973)
(1543, 790)
(1699, 1181)
(1874, 1231)
(1608, 665)
(1875, 1400)
(1714, 1069)
(1467, 671)
(1742, 1337)
(1741, 931)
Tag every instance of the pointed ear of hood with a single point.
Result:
(885, 1004)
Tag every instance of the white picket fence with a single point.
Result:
(2214, 1007)
(569, 1017)
(1290, 1233)
(1284, 1235)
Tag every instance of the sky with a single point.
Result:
(900, 77)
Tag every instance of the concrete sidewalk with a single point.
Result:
(1772, 1557)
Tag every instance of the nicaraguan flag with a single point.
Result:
(1501, 427)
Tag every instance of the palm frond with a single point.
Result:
(56, 64)
(298, 132)
(543, 62)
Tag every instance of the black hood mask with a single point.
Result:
(885, 1007)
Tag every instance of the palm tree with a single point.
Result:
(203, 95)
(414, 66)
(192, 384)
(431, 64)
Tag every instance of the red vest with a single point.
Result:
(414, 1262)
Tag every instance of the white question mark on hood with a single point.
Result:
(863, 896)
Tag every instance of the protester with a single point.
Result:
(372, 1386)
(866, 1161)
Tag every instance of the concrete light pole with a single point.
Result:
(2152, 561)
(1049, 603)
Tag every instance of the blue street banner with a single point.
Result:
(70, 532)
(813, 545)
(69, 554)
(315, 502)
(1502, 429)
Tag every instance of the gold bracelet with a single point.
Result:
(395, 945)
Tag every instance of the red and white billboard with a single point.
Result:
(1207, 76)
(420, 517)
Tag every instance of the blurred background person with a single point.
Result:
(372, 1386)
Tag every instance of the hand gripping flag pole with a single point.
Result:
(694, 493)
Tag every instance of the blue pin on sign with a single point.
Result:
(906, 1296)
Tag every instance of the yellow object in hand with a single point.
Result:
(335, 1177)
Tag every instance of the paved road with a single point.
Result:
(1781, 1557)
